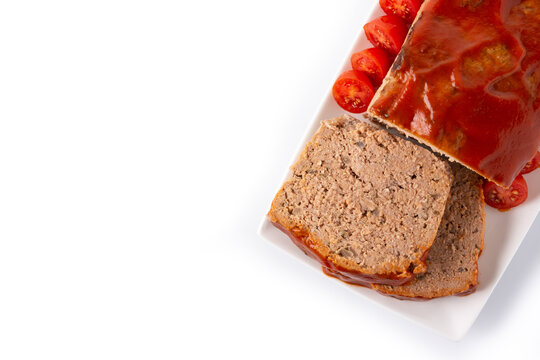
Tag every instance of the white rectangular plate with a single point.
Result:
(451, 316)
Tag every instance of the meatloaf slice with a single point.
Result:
(363, 202)
(452, 267)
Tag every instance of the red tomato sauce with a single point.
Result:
(467, 81)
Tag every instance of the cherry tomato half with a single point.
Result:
(353, 91)
(373, 62)
(387, 32)
(532, 165)
(405, 9)
(504, 199)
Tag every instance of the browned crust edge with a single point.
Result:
(303, 241)
(472, 288)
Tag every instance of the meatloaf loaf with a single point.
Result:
(467, 83)
(364, 203)
(452, 263)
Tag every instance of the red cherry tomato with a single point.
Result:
(405, 9)
(373, 62)
(387, 32)
(353, 91)
(504, 199)
(532, 165)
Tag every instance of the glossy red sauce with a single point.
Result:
(302, 240)
(467, 82)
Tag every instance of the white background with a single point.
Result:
(140, 145)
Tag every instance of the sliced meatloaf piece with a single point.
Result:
(452, 267)
(363, 202)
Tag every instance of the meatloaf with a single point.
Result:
(467, 83)
(452, 263)
(365, 203)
